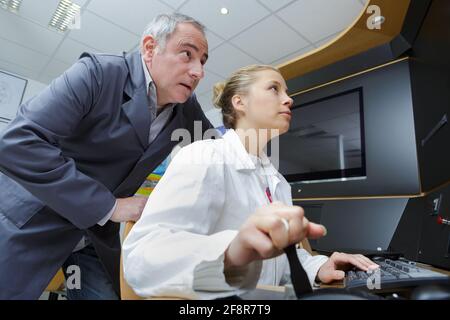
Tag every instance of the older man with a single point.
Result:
(76, 153)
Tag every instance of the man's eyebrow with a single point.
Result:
(193, 46)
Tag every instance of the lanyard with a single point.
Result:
(269, 195)
(299, 277)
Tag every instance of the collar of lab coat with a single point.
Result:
(243, 160)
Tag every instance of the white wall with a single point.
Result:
(32, 88)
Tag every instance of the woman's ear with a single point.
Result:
(238, 103)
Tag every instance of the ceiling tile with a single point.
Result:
(45, 79)
(103, 35)
(207, 83)
(317, 19)
(138, 12)
(70, 50)
(293, 55)
(173, 3)
(19, 70)
(54, 69)
(80, 2)
(135, 47)
(213, 40)
(41, 11)
(27, 44)
(283, 40)
(38, 11)
(28, 34)
(327, 39)
(275, 5)
(226, 59)
(242, 15)
(24, 57)
(205, 101)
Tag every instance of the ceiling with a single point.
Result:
(254, 31)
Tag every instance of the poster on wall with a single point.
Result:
(12, 89)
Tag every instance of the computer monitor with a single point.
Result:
(353, 137)
(355, 226)
(329, 138)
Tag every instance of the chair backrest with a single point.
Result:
(126, 292)
(304, 244)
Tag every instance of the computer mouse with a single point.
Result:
(339, 294)
(431, 292)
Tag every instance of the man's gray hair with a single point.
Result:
(163, 25)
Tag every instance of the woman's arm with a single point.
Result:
(173, 250)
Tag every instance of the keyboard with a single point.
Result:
(393, 274)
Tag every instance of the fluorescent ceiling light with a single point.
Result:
(64, 15)
(11, 5)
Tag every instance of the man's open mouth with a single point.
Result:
(186, 86)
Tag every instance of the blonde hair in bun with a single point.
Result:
(218, 90)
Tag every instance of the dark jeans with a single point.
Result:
(94, 282)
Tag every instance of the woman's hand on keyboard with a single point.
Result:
(333, 268)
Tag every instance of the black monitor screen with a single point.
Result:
(325, 140)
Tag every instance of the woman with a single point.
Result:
(210, 229)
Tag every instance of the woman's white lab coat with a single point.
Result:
(209, 189)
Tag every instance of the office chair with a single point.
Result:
(126, 292)
(304, 244)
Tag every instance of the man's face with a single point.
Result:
(176, 70)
